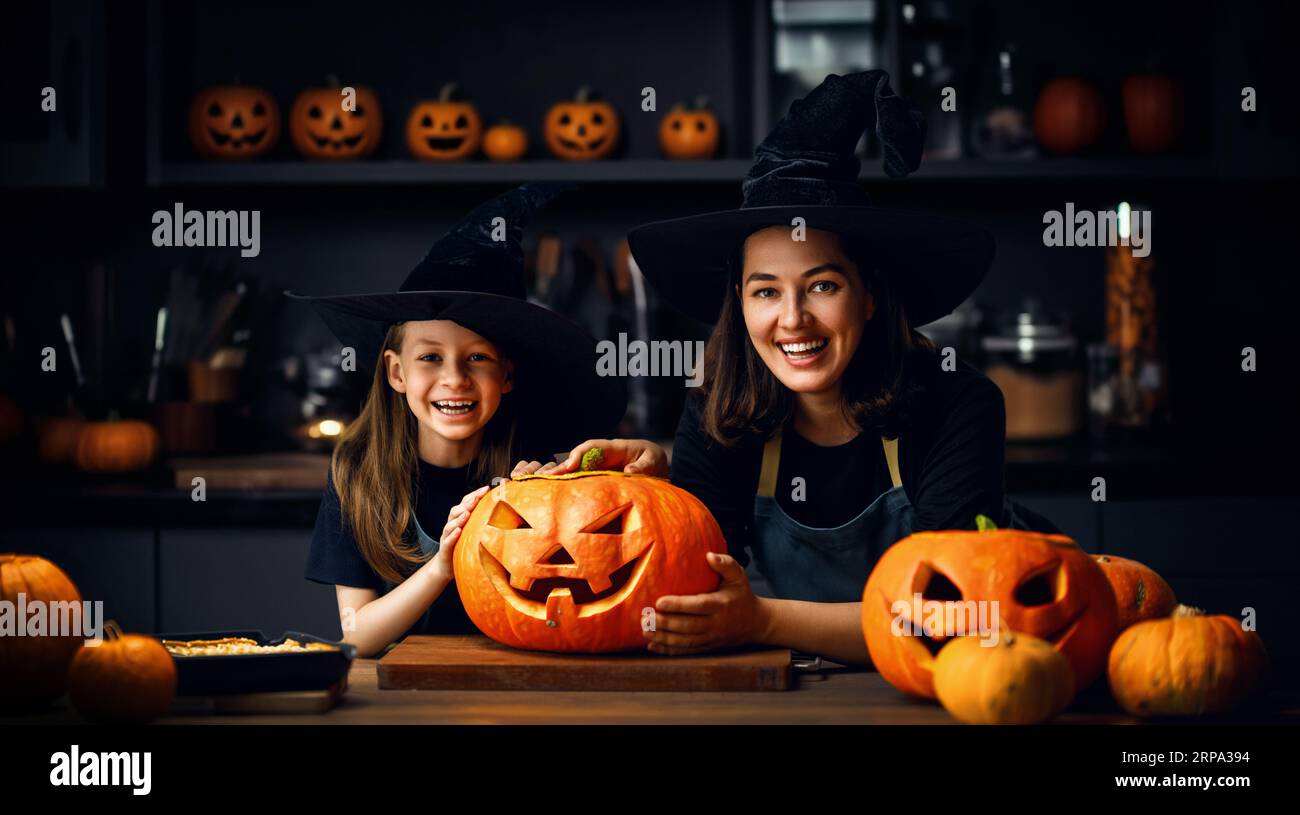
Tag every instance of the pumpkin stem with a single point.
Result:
(332, 81)
(112, 631)
(584, 93)
(445, 94)
(592, 459)
(984, 523)
(114, 415)
(1187, 611)
(701, 102)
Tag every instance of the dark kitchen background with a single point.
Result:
(1114, 367)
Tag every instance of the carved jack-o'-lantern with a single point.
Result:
(321, 128)
(444, 129)
(234, 122)
(687, 133)
(571, 562)
(1045, 586)
(584, 128)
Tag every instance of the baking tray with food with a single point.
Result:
(215, 663)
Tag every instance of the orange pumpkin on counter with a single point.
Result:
(234, 122)
(1140, 593)
(117, 446)
(321, 129)
(582, 129)
(1045, 586)
(1014, 679)
(572, 562)
(35, 668)
(125, 679)
(444, 129)
(689, 133)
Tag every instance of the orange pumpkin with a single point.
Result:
(1012, 679)
(11, 420)
(322, 129)
(1140, 593)
(234, 122)
(117, 446)
(571, 562)
(505, 142)
(1153, 112)
(1044, 585)
(57, 438)
(582, 129)
(687, 133)
(126, 679)
(443, 129)
(1068, 116)
(1186, 664)
(35, 668)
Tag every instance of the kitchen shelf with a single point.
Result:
(645, 171)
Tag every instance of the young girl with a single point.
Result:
(467, 376)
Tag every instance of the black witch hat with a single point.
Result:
(477, 281)
(806, 168)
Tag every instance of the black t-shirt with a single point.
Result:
(334, 558)
(950, 458)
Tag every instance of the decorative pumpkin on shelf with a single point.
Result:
(582, 129)
(234, 122)
(1153, 112)
(126, 679)
(571, 562)
(322, 129)
(1014, 679)
(1186, 664)
(57, 438)
(11, 420)
(505, 142)
(117, 446)
(1045, 586)
(1140, 593)
(689, 133)
(1068, 116)
(444, 129)
(35, 667)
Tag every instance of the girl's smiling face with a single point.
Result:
(804, 305)
(453, 379)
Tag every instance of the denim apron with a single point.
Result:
(830, 565)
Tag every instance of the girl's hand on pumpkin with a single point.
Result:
(456, 518)
(532, 467)
(691, 624)
(629, 455)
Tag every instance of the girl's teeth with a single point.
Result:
(454, 407)
(802, 349)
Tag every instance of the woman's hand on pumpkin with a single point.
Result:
(532, 467)
(629, 455)
(730, 616)
(456, 518)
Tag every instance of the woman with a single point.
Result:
(827, 427)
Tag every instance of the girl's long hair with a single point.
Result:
(376, 460)
(879, 390)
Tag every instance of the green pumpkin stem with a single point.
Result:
(984, 523)
(592, 459)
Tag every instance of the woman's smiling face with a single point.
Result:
(804, 305)
(453, 379)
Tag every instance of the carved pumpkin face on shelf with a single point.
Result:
(582, 129)
(1045, 586)
(322, 129)
(234, 122)
(687, 133)
(444, 129)
(570, 562)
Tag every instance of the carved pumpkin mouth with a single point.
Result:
(231, 140)
(337, 144)
(928, 647)
(533, 600)
(444, 142)
(573, 145)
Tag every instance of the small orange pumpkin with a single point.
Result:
(1153, 112)
(571, 562)
(689, 133)
(1140, 593)
(1068, 116)
(582, 129)
(321, 129)
(234, 122)
(126, 679)
(1186, 664)
(505, 142)
(1045, 586)
(443, 129)
(117, 446)
(35, 668)
(1012, 679)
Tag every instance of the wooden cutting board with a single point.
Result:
(477, 663)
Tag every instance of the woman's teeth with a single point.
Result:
(454, 407)
(802, 350)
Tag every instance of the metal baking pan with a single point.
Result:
(260, 673)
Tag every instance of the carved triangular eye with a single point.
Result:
(934, 585)
(1043, 588)
(611, 523)
(504, 517)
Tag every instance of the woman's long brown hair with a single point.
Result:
(376, 459)
(743, 398)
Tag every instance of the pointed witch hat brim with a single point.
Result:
(806, 168)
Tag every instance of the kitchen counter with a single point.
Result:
(835, 696)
